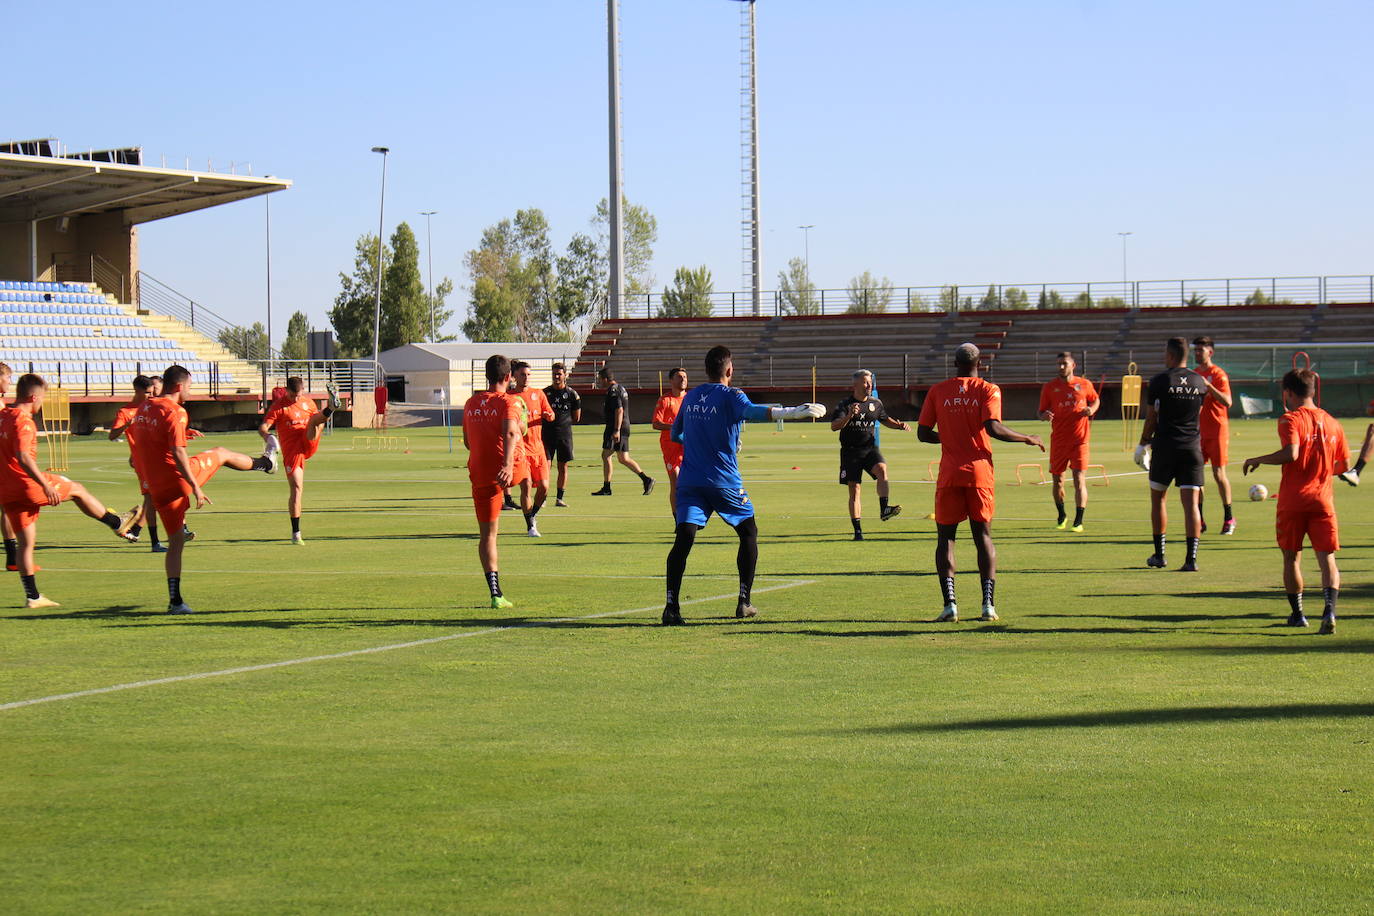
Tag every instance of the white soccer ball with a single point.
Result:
(1259, 493)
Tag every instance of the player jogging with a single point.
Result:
(1214, 426)
(538, 411)
(1069, 401)
(615, 441)
(558, 436)
(1352, 476)
(173, 478)
(1312, 448)
(299, 425)
(855, 418)
(1170, 432)
(708, 427)
(665, 412)
(491, 434)
(959, 415)
(25, 490)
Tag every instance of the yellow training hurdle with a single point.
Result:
(57, 427)
(1039, 469)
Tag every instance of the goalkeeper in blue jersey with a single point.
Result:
(708, 426)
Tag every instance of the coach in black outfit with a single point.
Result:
(1173, 403)
(558, 435)
(856, 418)
(615, 441)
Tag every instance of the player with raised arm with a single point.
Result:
(665, 412)
(615, 441)
(299, 424)
(1069, 401)
(538, 411)
(491, 434)
(25, 489)
(1214, 427)
(1170, 434)
(855, 418)
(960, 414)
(558, 434)
(1312, 448)
(1352, 474)
(174, 478)
(708, 427)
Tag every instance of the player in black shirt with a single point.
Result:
(856, 417)
(615, 441)
(558, 435)
(1173, 402)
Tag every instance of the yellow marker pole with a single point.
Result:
(1130, 405)
(660, 383)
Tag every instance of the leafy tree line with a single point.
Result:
(408, 313)
(251, 342)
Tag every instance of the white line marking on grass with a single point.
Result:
(247, 669)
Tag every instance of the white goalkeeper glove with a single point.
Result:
(1142, 457)
(801, 412)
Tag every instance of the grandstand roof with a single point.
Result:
(44, 187)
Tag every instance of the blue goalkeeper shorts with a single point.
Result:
(695, 505)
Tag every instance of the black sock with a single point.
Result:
(1159, 545)
(261, 463)
(1078, 516)
(328, 411)
(1295, 602)
(136, 530)
(1329, 601)
(560, 492)
(1359, 466)
(1227, 509)
(989, 588)
(644, 477)
(858, 524)
(882, 503)
(1192, 549)
(494, 583)
(685, 537)
(947, 589)
(295, 524)
(110, 520)
(11, 552)
(30, 586)
(535, 511)
(1059, 506)
(174, 589)
(747, 559)
(529, 518)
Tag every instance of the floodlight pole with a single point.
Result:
(429, 252)
(267, 203)
(806, 235)
(377, 318)
(1124, 282)
(749, 124)
(614, 207)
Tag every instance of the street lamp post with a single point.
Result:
(381, 210)
(267, 202)
(1125, 283)
(806, 235)
(429, 252)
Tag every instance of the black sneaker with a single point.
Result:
(1188, 566)
(604, 491)
(648, 485)
(508, 506)
(858, 535)
(1155, 561)
(746, 610)
(1328, 625)
(890, 512)
(672, 617)
(1296, 619)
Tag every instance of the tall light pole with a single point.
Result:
(1125, 284)
(381, 211)
(806, 235)
(429, 251)
(267, 203)
(614, 203)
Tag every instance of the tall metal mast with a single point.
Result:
(752, 260)
(614, 202)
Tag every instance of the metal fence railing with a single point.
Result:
(153, 295)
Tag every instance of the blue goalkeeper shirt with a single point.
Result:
(708, 426)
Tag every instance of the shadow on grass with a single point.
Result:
(1126, 717)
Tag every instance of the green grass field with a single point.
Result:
(1124, 740)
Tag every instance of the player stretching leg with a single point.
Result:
(1069, 401)
(1352, 476)
(491, 434)
(173, 478)
(558, 438)
(299, 426)
(665, 412)
(24, 489)
(1215, 428)
(1170, 433)
(538, 411)
(960, 414)
(707, 426)
(145, 386)
(1312, 447)
(855, 419)
(615, 441)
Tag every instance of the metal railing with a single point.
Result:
(87, 267)
(349, 375)
(152, 295)
(952, 298)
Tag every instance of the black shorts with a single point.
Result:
(607, 444)
(854, 463)
(1178, 466)
(558, 443)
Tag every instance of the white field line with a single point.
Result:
(247, 669)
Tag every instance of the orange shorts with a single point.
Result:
(538, 464)
(521, 471)
(954, 504)
(172, 503)
(1318, 527)
(1074, 456)
(672, 458)
(486, 501)
(293, 459)
(1214, 450)
(24, 512)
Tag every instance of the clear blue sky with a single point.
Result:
(931, 143)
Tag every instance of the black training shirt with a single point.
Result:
(565, 402)
(617, 396)
(1177, 398)
(858, 432)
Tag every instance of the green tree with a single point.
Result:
(1050, 300)
(1196, 300)
(949, 299)
(1014, 298)
(513, 281)
(991, 300)
(690, 294)
(405, 308)
(640, 229)
(1111, 302)
(581, 289)
(437, 314)
(1258, 297)
(1081, 301)
(355, 305)
(245, 343)
(915, 302)
(868, 293)
(296, 344)
(796, 291)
